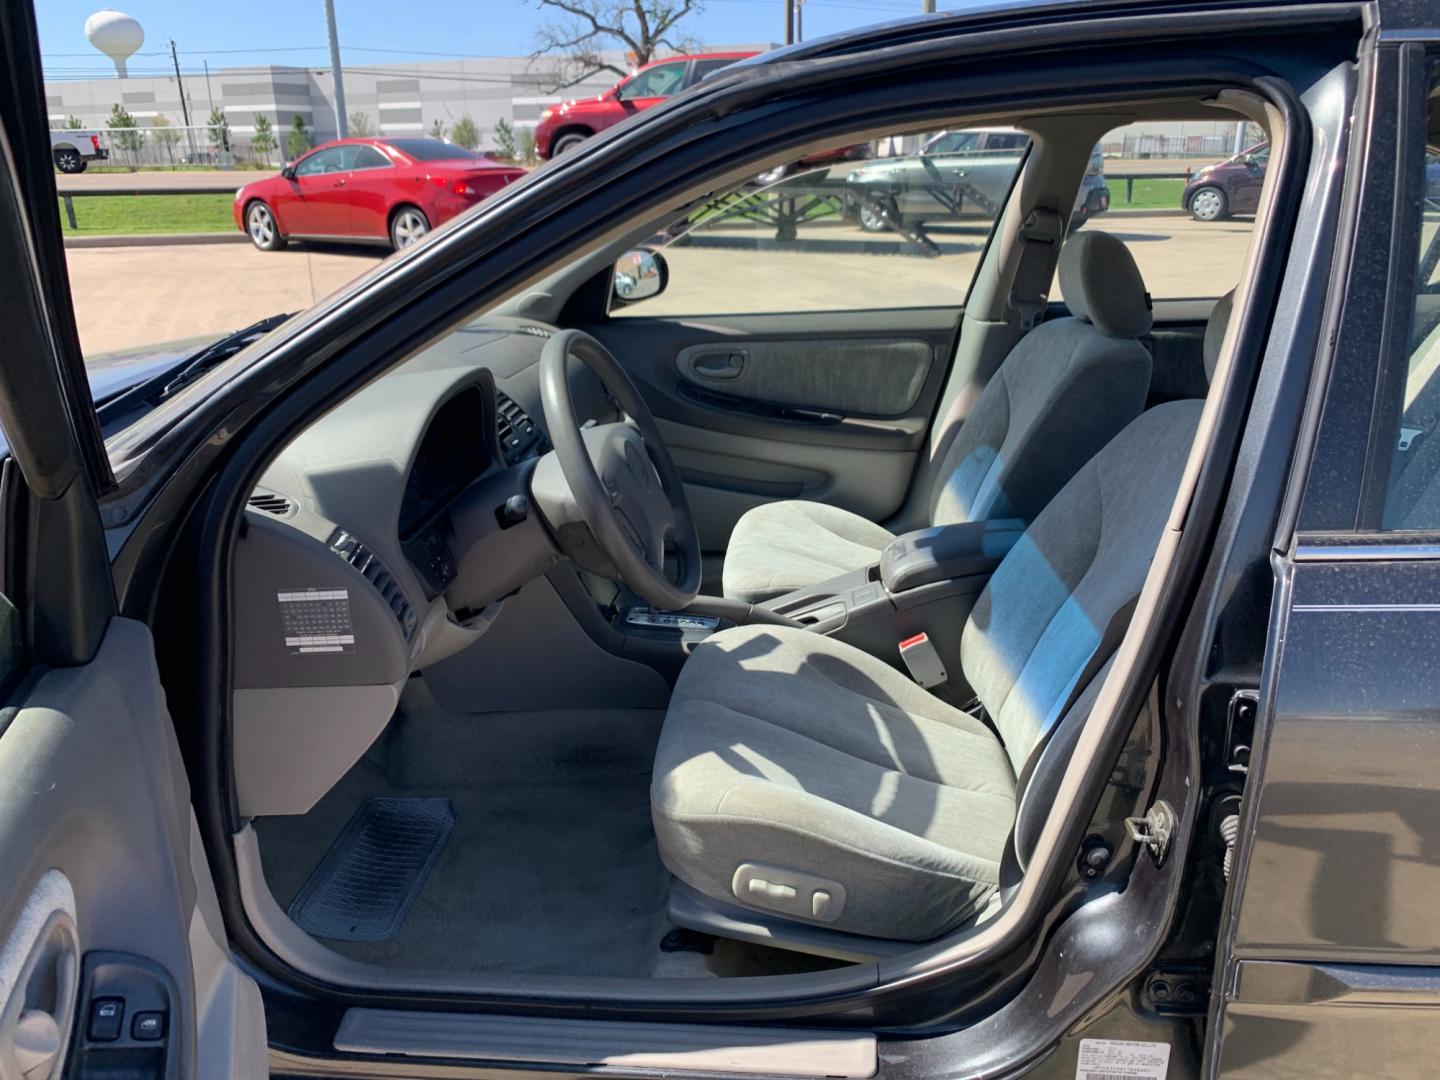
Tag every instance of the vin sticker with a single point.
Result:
(1119, 1059)
(316, 621)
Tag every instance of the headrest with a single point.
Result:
(1102, 284)
(1215, 331)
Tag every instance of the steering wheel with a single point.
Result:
(621, 480)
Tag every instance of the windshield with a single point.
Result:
(432, 150)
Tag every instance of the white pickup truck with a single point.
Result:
(74, 148)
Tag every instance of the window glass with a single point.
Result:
(322, 161)
(709, 67)
(1413, 498)
(431, 149)
(659, 81)
(1181, 198)
(364, 157)
(842, 231)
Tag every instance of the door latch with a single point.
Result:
(1155, 830)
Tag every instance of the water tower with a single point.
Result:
(117, 36)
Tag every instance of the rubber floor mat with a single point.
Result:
(364, 887)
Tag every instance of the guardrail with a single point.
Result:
(68, 197)
(228, 185)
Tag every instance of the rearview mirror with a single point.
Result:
(639, 275)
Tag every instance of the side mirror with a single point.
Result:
(288, 172)
(639, 275)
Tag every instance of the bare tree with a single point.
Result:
(579, 33)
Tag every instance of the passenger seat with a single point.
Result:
(1066, 389)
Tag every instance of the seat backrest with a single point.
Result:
(1033, 631)
(1065, 390)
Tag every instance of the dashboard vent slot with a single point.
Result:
(350, 548)
(518, 433)
(537, 331)
(270, 502)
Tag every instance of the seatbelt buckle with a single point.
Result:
(922, 661)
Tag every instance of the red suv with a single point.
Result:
(565, 127)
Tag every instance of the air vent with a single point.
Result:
(537, 331)
(518, 433)
(272, 503)
(353, 551)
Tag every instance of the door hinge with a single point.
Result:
(1240, 730)
(1154, 830)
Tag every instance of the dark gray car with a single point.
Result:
(955, 175)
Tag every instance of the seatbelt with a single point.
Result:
(1040, 238)
(1109, 643)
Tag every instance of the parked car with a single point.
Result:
(373, 190)
(956, 175)
(1071, 710)
(1228, 187)
(72, 149)
(564, 127)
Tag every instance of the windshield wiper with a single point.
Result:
(217, 353)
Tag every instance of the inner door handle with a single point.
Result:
(719, 365)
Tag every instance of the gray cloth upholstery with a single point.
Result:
(783, 546)
(1215, 328)
(1102, 285)
(788, 749)
(1046, 607)
(1064, 391)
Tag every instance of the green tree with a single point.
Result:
(359, 123)
(166, 136)
(126, 138)
(219, 129)
(527, 146)
(72, 123)
(437, 129)
(505, 139)
(465, 133)
(298, 141)
(263, 144)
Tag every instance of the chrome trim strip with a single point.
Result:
(1389, 551)
(1365, 607)
(1288, 983)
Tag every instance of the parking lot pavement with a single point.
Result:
(127, 297)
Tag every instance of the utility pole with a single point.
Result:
(927, 7)
(184, 107)
(336, 78)
(789, 22)
(799, 20)
(209, 93)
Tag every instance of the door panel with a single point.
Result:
(831, 407)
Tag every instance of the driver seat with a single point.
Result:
(800, 777)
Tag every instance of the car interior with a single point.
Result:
(726, 604)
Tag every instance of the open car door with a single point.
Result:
(113, 956)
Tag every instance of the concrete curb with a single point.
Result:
(156, 240)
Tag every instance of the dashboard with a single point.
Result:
(362, 498)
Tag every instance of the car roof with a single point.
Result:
(699, 56)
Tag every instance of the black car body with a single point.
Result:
(1233, 867)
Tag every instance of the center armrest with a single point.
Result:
(945, 552)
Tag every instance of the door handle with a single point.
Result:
(719, 365)
(338, 183)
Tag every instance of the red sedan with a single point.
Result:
(388, 190)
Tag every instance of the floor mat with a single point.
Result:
(371, 876)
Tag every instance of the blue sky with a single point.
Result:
(242, 32)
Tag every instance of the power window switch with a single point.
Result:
(148, 1026)
(107, 1016)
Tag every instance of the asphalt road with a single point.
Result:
(131, 296)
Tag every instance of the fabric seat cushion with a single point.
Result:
(787, 748)
(783, 546)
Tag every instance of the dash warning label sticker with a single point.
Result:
(316, 621)
(1118, 1059)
